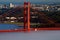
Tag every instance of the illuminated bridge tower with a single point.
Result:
(27, 15)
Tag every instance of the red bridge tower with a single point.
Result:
(27, 16)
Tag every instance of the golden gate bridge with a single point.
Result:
(27, 19)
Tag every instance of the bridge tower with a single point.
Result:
(27, 16)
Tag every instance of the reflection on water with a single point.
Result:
(9, 26)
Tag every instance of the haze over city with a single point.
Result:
(32, 1)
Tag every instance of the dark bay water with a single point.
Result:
(9, 26)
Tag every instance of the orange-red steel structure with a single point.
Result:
(27, 21)
(27, 15)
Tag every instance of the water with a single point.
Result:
(32, 35)
(39, 35)
(9, 26)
